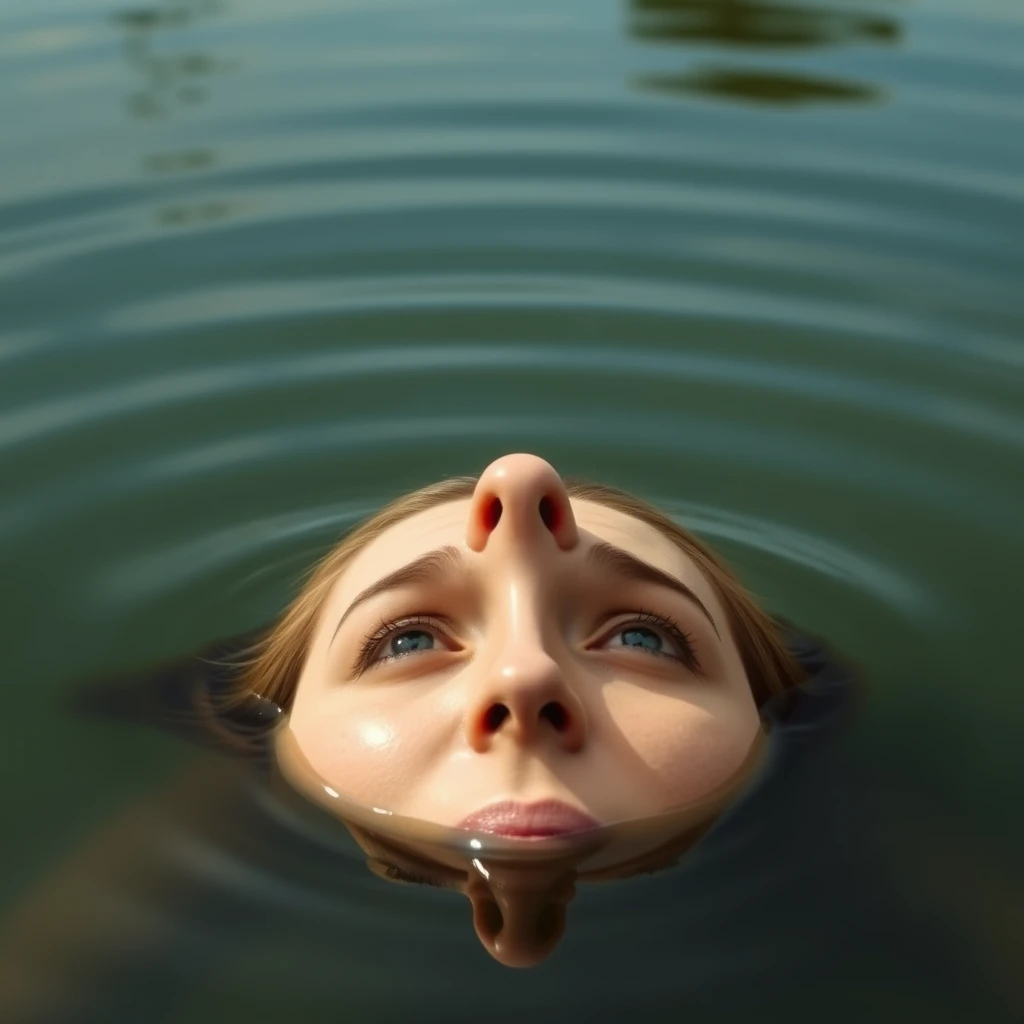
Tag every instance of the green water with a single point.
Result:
(265, 265)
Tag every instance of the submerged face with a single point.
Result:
(528, 666)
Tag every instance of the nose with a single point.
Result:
(528, 703)
(525, 696)
(527, 496)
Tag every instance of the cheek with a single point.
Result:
(370, 752)
(684, 748)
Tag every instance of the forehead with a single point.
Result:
(446, 524)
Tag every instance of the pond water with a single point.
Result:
(266, 265)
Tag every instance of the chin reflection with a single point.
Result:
(519, 889)
(519, 907)
(518, 910)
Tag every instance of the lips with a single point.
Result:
(529, 821)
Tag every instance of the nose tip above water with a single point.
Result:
(526, 494)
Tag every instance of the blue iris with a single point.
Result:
(407, 639)
(640, 631)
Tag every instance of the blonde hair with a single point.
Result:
(273, 665)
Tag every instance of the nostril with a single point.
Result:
(496, 714)
(492, 513)
(549, 512)
(556, 715)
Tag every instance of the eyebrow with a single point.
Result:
(446, 560)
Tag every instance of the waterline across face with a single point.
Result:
(524, 666)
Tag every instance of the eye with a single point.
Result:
(650, 626)
(398, 639)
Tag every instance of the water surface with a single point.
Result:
(264, 266)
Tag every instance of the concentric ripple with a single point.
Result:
(265, 266)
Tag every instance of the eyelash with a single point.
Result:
(373, 641)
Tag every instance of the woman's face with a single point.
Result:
(527, 664)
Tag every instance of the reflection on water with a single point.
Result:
(759, 25)
(762, 86)
(171, 80)
(519, 904)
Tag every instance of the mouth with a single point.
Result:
(529, 821)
